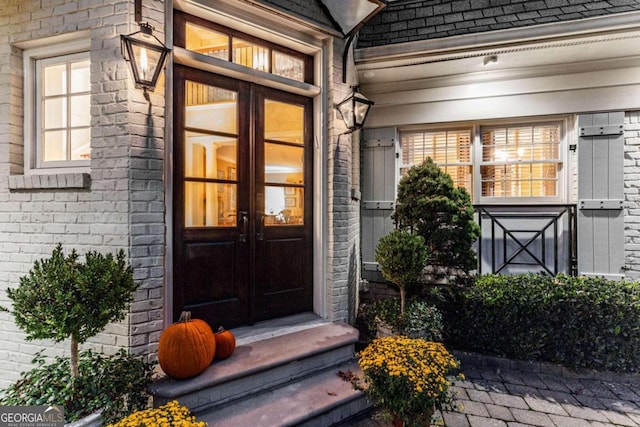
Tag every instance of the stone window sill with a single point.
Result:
(51, 181)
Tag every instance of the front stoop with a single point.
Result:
(287, 380)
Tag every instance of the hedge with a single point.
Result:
(574, 321)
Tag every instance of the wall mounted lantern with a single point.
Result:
(146, 54)
(354, 110)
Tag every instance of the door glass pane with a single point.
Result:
(207, 42)
(283, 164)
(283, 122)
(210, 204)
(284, 205)
(210, 156)
(211, 108)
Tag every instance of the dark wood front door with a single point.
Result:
(242, 214)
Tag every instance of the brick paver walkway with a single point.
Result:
(495, 395)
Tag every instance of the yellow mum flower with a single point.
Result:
(171, 414)
(408, 377)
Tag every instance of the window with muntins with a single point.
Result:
(62, 111)
(209, 39)
(520, 161)
(450, 149)
(502, 163)
(57, 105)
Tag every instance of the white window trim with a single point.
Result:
(30, 56)
(564, 180)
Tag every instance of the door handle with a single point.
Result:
(259, 225)
(244, 224)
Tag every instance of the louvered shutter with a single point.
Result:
(601, 195)
(379, 181)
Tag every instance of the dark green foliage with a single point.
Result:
(61, 297)
(576, 322)
(430, 205)
(402, 257)
(116, 384)
(420, 319)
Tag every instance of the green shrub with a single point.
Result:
(430, 205)
(62, 297)
(420, 319)
(574, 321)
(116, 384)
(402, 257)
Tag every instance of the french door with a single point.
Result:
(242, 233)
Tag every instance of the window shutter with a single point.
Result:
(379, 186)
(601, 195)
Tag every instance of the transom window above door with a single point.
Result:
(209, 39)
(494, 163)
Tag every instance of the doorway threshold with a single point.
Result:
(277, 327)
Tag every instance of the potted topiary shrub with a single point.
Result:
(401, 256)
(430, 205)
(63, 298)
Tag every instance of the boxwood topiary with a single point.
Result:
(62, 297)
(402, 257)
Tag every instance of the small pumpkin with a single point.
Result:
(225, 343)
(186, 348)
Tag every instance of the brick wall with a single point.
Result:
(632, 194)
(406, 21)
(343, 212)
(121, 202)
(118, 205)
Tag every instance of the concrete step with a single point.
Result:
(321, 400)
(262, 365)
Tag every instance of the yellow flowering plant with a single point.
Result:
(172, 414)
(410, 378)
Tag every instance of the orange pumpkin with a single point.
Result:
(225, 343)
(186, 348)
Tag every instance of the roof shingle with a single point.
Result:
(411, 20)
